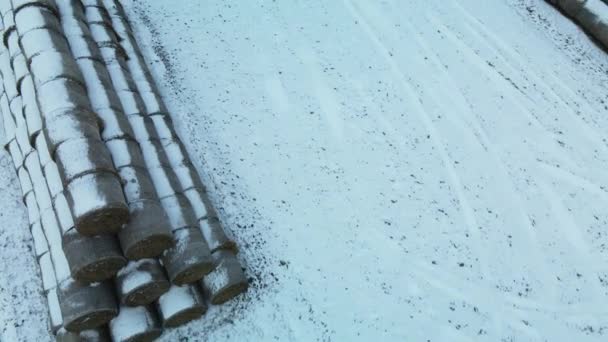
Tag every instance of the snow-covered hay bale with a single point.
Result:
(50, 65)
(190, 259)
(32, 17)
(92, 258)
(147, 234)
(73, 133)
(19, 5)
(180, 305)
(227, 280)
(97, 203)
(85, 307)
(36, 41)
(30, 108)
(141, 282)
(135, 324)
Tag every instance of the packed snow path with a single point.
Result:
(421, 170)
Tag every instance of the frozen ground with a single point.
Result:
(392, 170)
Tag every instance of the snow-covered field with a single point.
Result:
(392, 170)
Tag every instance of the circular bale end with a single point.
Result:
(92, 258)
(227, 280)
(86, 307)
(135, 324)
(141, 282)
(189, 260)
(97, 203)
(147, 234)
(181, 305)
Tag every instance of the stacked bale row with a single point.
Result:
(123, 229)
(591, 15)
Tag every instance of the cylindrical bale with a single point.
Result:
(85, 307)
(19, 5)
(143, 128)
(164, 126)
(165, 181)
(71, 9)
(64, 215)
(51, 65)
(175, 151)
(21, 130)
(148, 232)
(125, 152)
(112, 53)
(141, 282)
(97, 203)
(92, 258)
(137, 185)
(62, 94)
(47, 272)
(15, 152)
(74, 27)
(30, 108)
(115, 124)
(8, 77)
(227, 280)
(39, 40)
(31, 18)
(8, 122)
(84, 47)
(154, 104)
(179, 212)
(21, 71)
(26, 188)
(103, 33)
(32, 207)
(180, 305)
(32, 164)
(13, 45)
(93, 335)
(79, 157)
(120, 77)
(98, 83)
(40, 244)
(188, 178)
(77, 131)
(95, 14)
(53, 179)
(190, 259)
(215, 235)
(55, 319)
(570, 7)
(135, 324)
(208, 222)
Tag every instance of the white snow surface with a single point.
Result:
(392, 171)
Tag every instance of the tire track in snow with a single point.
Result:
(502, 50)
(436, 138)
(464, 109)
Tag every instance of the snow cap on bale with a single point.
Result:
(180, 305)
(227, 280)
(33, 17)
(36, 41)
(135, 324)
(141, 282)
(18, 5)
(97, 203)
(190, 259)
